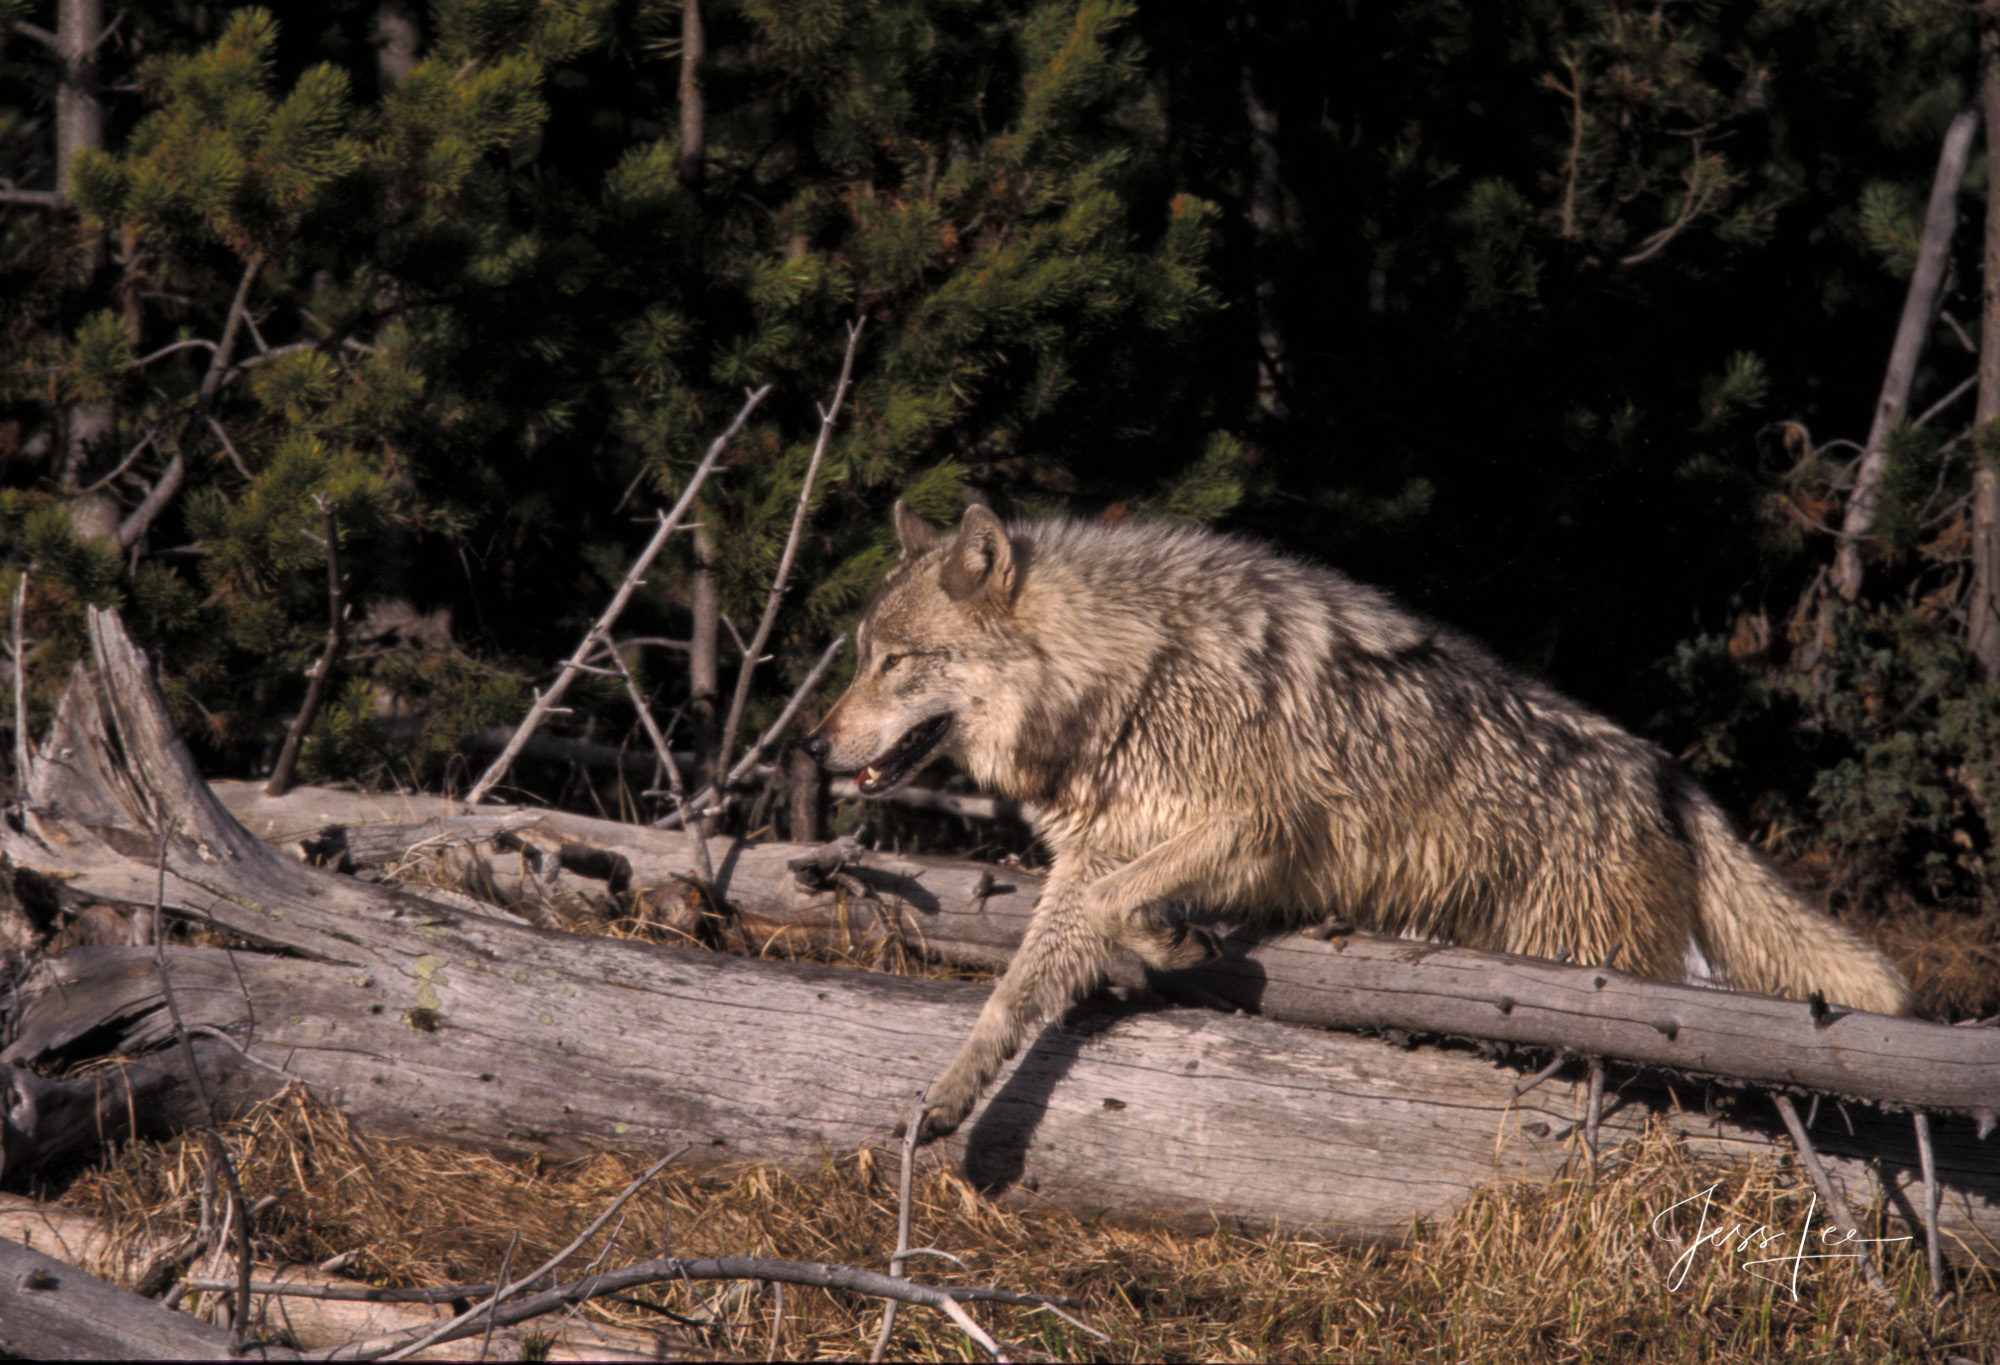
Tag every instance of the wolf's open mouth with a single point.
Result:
(904, 757)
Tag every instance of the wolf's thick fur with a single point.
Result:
(1205, 722)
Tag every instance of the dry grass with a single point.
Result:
(1568, 1271)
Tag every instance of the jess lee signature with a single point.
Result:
(1760, 1237)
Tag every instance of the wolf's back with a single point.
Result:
(1764, 936)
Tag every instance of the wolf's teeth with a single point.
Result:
(868, 775)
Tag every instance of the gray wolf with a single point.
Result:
(1206, 723)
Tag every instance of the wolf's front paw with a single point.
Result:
(945, 1107)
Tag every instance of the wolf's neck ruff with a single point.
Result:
(1208, 722)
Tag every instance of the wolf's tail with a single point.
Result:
(1762, 934)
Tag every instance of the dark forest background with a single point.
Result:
(1567, 322)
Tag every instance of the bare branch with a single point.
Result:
(186, 344)
(175, 473)
(1965, 386)
(1836, 1207)
(673, 1269)
(757, 641)
(749, 765)
(1933, 1253)
(703, 866)
(39, 34)
(546, 702)
(23, 746)
(1919, 304)
(777, 727)
(155, 502)
(912, 1125)
(125, 463)
(445, 1331)
(322, 675)
(240, 1218)
(229, 446)
(46, 199)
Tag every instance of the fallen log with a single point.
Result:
(80, 1239)
(50, 1310)
(420, 1019)
(974, 915)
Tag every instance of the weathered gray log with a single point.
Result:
(975, 915)
(50, 1310)
(1174, 1116)
(426, 1021)
(123, 1257)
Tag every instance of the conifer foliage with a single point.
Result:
(475, 306)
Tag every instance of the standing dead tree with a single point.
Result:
(1919, 311)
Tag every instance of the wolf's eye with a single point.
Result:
(889, 661)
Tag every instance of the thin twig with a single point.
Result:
(171, 478)
(23, 747)
(1932, 1252)
(322, 675)
(777, 1319)
(777, 727)
(748, 765)
(229, 447)
(1594, 1110)
(1934, 409)
(189, 343)
(703, 866)
(1836, 1208)
(240, 1214)
(674, 1269)
(506, 1265)
(828, 415)
(125, 463)
(1562, 1060)
(446, 1332)
(900, 1258)
(546, 702)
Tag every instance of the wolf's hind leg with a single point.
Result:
(1062, 956)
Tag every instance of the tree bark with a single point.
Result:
(423, 1020)
(1266, 215)
(1982, 605)
(1919, 308)
(50, 1310)
(693, 108)
(704, 664)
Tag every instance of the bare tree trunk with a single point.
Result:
(1983, 604)
(1266, 215)
(79, 112)
(88, 427)
(808, 795)
(397, 37)
(694, 110)
(704, 663)
(1919, 307)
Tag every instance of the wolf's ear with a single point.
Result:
(913, 533)
(979, 570)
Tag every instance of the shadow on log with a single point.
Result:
(425, 1019)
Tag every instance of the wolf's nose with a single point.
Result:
(816, 748)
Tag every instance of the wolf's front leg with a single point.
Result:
(1062, 955)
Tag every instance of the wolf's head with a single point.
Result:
(932, 650)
